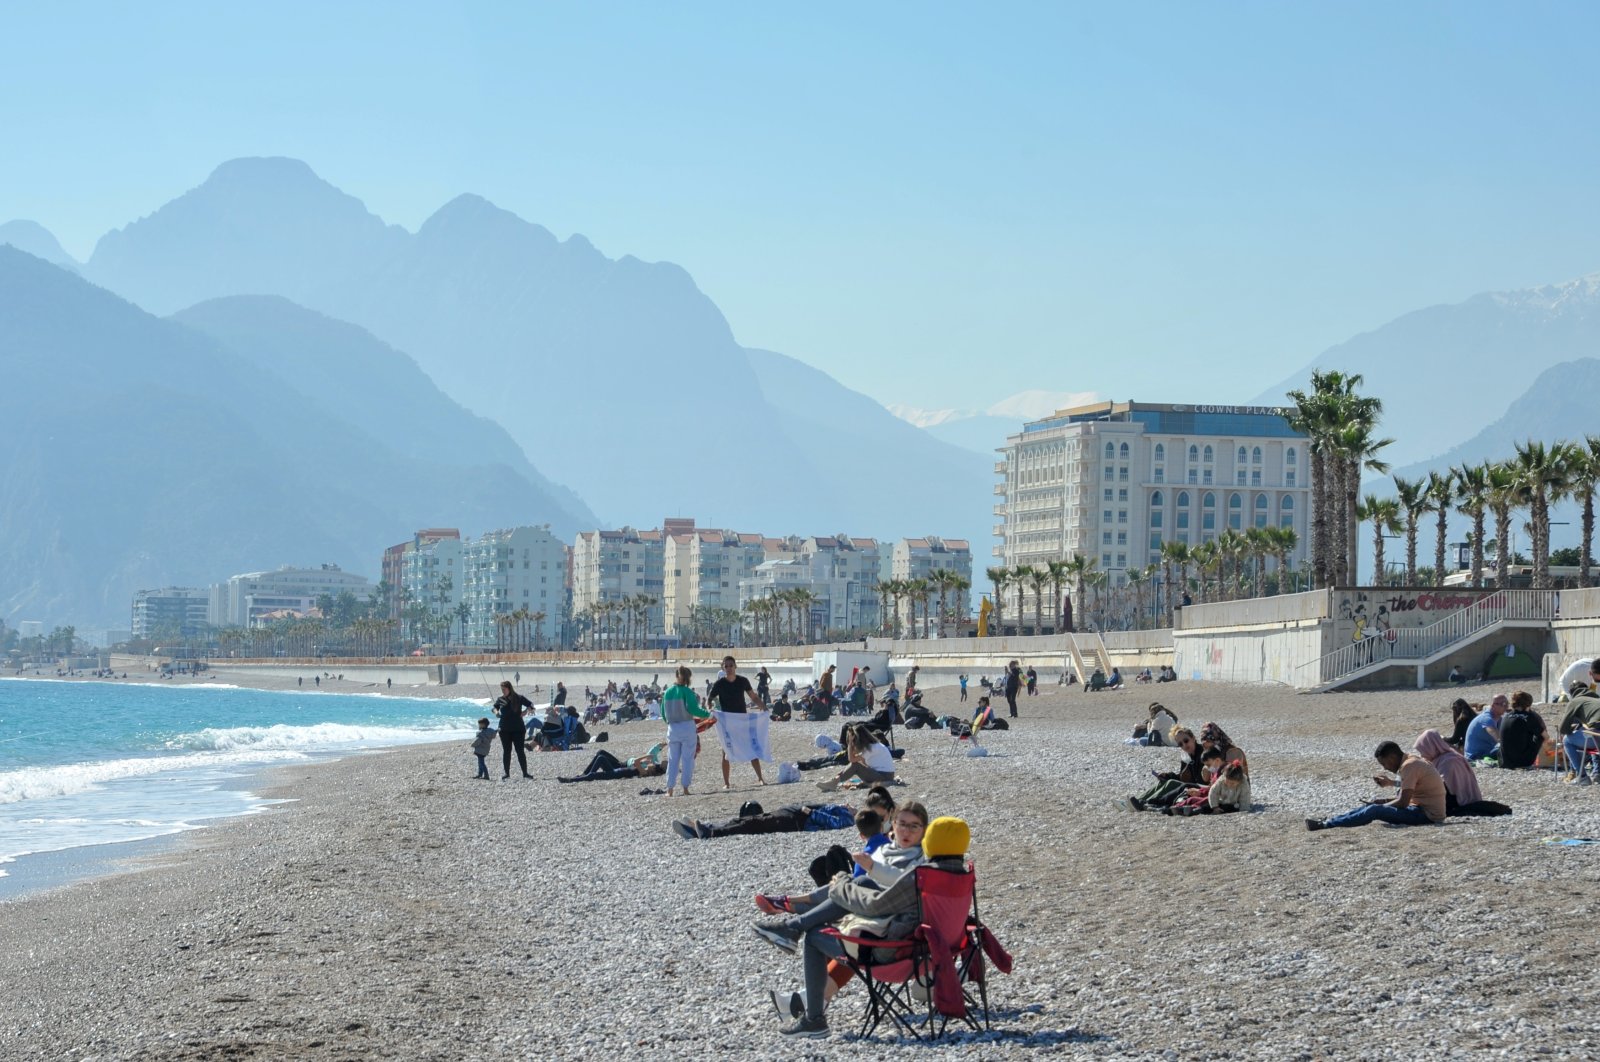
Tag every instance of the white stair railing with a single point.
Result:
(1413, 644)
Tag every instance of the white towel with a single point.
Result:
(744, 736)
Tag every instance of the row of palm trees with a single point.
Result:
(1235, 564)
(1534, 477)
(782, 617)
(620, 624)
(362, 636)
(519, 631)
(1340, 425)
(940, 583)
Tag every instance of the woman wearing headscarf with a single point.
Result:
(1213, 736)
(1460, 781)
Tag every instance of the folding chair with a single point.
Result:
(937, 973)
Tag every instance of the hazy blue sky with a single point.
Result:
(1167, 201)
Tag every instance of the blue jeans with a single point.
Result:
(1575, 743)
(483, 767)
(818, 948)
(1411, 816)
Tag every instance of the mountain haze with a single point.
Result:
(144, 453)
(36, 240)
(1445, 371)
(616, 376)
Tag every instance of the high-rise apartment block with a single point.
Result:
(919, 558)
(180, 610)
(1115, 480)
(509, 571)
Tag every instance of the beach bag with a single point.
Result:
(788, 772)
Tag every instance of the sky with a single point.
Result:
(940, 204)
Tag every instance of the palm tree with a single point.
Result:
(939, 580)
(1038, 578)
(1136, 578)
(1020, 576)
(959, 584)
(1174, 556)
(1356, 449)
(1206, 562)
(1542, 475)
(998, 578)
(1079, 568)
(1440, 493)
(1411, 494)
(1259, 542)
(1504, 495)
(1584, 469)
(1058, 570)
(1338, 424)
(1282, 541)
(1472, 499)
(1384, 514)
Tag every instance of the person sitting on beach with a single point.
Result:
(1227, 789)
(1154, 729)
(1522, 733)
(550, 731)
(1213, 736)
(886, 913)
(604, 767)
(869, 759)
(791, 818)
(1171, 785)
(1580, 727)
(482, 742)
(1461, 793)
(1421, 800)
(1193, 797)
(1115, 681)
(1097, 681)
(1482, 740)
(882, 868)
(838, 859)
(1144, 677)
(1455, 674)
(1461, 716)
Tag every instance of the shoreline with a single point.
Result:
(396, 908)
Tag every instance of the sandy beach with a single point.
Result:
(395, 908)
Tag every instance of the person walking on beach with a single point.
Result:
(764, 687)
(481, 744)
(963, 687)
(513, 732)
(681, 708)
(560, 696)
(1013, 685)
(731, 692)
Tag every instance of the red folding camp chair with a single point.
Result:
(936, 974)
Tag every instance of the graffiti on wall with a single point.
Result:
(1369, 613)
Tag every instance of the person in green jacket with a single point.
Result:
(681, 708)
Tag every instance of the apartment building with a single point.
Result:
(243, 599)
(173, 609)
(919, 558)
(1115, 480)
(507, 571)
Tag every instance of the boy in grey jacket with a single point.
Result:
(482, 742)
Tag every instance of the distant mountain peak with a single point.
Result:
(35, 239)
(1579, 293)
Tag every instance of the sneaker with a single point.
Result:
(828, 785)
(702, 830)
(1314, 825)
(806, 1029)
(789, 1004)
(1570, 778)
(1135, 804)
(683, 829)
(780, 934)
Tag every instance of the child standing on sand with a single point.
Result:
(482, 742)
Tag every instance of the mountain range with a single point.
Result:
(145, 452)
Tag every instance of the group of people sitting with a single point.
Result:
(1510, 733)
(1212, 778)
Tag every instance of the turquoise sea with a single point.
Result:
(92, 763)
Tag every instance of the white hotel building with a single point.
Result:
(1115, 480)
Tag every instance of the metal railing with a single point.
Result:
(1414, 644)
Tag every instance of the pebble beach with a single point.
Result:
(393, 907)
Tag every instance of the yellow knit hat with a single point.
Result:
(946, 836)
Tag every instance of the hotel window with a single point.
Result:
(1207, 477)
(1161, 452)
(1108, 494)
(1105, 538)
(1106, 516)
(1183, 499)
(1122, 494)
(1122, 451)
(1155, 500)
(1243, 457)
(1288, 478)
(1261, 510)
(1255, 456)
(1155, 540)
(1286, 512)
(1194, 476)
(1122, 538)
(1235, 511)
(1122, 560)
(1155, 518)
(1105, 560)
(1111, 451)
(1183, 520)
(1122, 516)
(1207, 456)
(1194, 454)
(1161, 475)
(1111, 472)
(1122, 473)
(1238, 477)
(1290, 458)
(1255, 477)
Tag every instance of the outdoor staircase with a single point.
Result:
(1420, 646)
